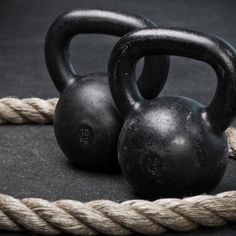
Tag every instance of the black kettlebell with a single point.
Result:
(87, 123)
(172, 146)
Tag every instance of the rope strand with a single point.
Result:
(112, 218)
(231, 137)
(27, 110)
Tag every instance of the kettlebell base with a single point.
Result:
(164, 153)
(87, 124)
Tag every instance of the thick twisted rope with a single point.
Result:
(27, 110)
(112, 218)
(231, 137)
(36, 110)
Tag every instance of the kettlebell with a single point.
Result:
(172, 146)
(87, 122)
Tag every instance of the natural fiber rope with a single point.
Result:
(107, 217)
(231, 137)
(103, 216)
(28, 110)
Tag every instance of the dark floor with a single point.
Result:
(32, 165)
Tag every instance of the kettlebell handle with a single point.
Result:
(159, 41)
(83, 21)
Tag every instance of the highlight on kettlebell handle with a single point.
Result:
(179, 42)
(69, 24)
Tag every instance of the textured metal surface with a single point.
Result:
(87, 123)
(173, 146)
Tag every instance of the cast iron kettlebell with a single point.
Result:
(173, 146)
(87, 123)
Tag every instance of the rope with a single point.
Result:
(231, 137)
(27, 110)
(112, 218)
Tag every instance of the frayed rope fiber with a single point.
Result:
(112, 218)
(102, 216)
(40, 111)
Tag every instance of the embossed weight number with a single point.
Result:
(84, 137)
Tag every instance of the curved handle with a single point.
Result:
(212, 50)
(104, 22)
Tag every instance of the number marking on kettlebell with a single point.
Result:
(85, 136)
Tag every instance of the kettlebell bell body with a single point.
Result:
(87, 122)
(173, 146)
